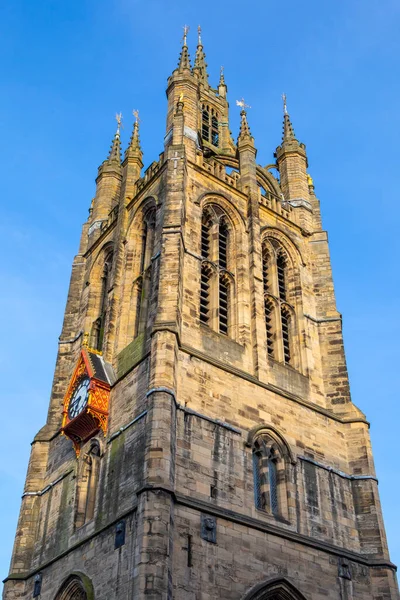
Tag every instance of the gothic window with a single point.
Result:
(209, 125)
(76, 588)
(216, 279)
(286, 336)
(281, 271)
(269, 476)
(214, 131)
(278, 312)
(223, 304)
(277, 589)
(88, 485)
(206, 274)
(143, 282)
(97, 333)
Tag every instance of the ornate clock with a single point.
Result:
(86, 401)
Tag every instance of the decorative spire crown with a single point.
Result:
(221, 76)
(134, 150)
(114, 156)
(184, 59)
(288, 131)
(200, 65)
(244, 126)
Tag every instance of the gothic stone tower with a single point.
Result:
(201, 442)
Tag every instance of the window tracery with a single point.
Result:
(209, 125)
(278, 310)
(216, 278)
(269, 471)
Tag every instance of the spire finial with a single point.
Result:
(200, 66)
(134, 150)
(221, 76)
(285, 112)
(115, 150)
(184, 60)
(243, 104)
(118, 118)
(288, 132)
(185, 32)
(244, 133)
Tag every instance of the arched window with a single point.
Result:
(97, 333)
(76, 587)
(278, 312)
(209, 125)
(88, 485)
(224, 304)
(206, 274)
(286, 333)
(269, 476)
(143, 282)
(216, 278)
(275, 589)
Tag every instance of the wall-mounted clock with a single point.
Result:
(86, 401)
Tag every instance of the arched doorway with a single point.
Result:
(275, 589)
(76, 587)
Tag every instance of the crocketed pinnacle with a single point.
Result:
(114, 156)
(184, 59)
(288, 131)
(222, 77)
(200, 65)
(244, 133)
(134, 150)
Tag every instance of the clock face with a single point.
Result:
(79, 398)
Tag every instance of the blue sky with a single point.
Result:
(68, 67)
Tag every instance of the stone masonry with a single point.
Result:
(235, 465)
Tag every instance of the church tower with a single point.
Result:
(201, 442)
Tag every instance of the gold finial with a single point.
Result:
(85, 342)
(199, 35)
(185, 32)
(118, 118)
(284, 104)
(242, 104)
(135, 113)
(310, 180)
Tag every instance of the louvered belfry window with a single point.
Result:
(278, 312)
(209, 125)
(216, 279)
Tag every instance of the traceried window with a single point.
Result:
(269, 476)
(278, 310)
(209, 125)
(97, 334)
(143, 282)
(216, 279)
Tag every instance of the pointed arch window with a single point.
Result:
(216, 278)
(278, 312)
(143, 282)
(97, 333)
(270, 476)
(209, 125)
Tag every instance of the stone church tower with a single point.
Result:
(201, 442)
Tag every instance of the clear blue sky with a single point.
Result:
(68, 67)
